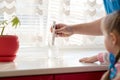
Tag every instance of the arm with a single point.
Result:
(91, 28)
(103, 58)
(91, 59)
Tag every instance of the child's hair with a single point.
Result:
(112, 23)
(106, 74)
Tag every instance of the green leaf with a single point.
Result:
(15, 22)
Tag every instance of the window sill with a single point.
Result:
(36, 62)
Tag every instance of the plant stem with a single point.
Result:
(3, 28)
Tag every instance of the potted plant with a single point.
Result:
(9, 44)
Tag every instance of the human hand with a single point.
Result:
(63, 30)
(91, 59)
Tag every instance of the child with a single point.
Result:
(111, 30)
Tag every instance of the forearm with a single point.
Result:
(91, 28)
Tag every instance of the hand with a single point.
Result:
(91, 59)
(63, 30)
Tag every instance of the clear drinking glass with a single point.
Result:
(53, 50)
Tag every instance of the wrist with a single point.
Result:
(95, 57)
(71, 29)
(75, 28)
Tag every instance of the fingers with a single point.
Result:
(87, 60)
(60, 30)
(57, 27)
(61, 35)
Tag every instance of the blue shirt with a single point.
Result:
(111, 5)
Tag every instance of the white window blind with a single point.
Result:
(74, 12)
(36, 18)
(33, 17)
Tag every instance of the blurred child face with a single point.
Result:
(107, 40)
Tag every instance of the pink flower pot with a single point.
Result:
(9, 45)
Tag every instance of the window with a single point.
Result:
(36, 17)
